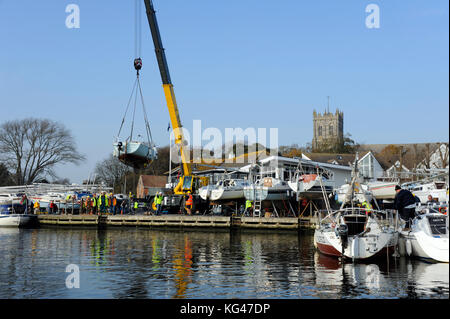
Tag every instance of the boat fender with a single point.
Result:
(408, 247)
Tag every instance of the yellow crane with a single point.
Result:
(188, 183)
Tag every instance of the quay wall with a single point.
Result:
(103, 221)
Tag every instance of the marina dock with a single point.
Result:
(103, 221)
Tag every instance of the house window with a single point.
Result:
(330, 130)
(320, 130)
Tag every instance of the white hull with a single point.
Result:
(266, 193)
(422, 243)
(136, 154)
(376, 241)
(205, 192)
(17, 220)
(224, 190)
(383, 190)
(221, 194)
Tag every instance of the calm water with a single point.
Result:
(143, 263)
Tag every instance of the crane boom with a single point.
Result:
(168, 87)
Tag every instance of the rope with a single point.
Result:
(147, 125)
(128, 105)
(134, 112)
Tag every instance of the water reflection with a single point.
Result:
(143, 263)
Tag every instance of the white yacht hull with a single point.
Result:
(135, 154)
(266, 193)
(17, 220)
(376, 242)
(383, 190)
(221, 194)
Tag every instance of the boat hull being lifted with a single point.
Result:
(135, 154)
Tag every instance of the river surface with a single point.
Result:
(149, 263)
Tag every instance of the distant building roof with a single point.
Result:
(337, 159)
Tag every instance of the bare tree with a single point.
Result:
(111, 171)
(32, 147)
(5, 176)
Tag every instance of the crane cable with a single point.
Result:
(137, 83)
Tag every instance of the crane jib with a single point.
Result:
(159, 50)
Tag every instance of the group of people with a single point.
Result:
(102, 203)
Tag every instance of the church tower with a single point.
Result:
(328, 130)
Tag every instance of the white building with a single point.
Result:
(284, 168)
(369, 167)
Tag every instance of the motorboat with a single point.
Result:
(437, 189)
(427, 237)
(17, 220)
(135, 154)
(224, 189)
(357, 233)
(382, 190)
(267, 188)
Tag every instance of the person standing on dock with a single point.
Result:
(114, 205)
(37, 207)
(405, 203)
(248, 207)
(94, 204)
(189, 204)
(158, 202)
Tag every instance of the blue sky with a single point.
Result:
(234, 63)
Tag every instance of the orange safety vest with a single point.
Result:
(189, 201)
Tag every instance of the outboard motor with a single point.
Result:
(342, 231)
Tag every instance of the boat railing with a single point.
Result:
(387, 217)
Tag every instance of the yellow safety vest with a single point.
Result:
(248, 203)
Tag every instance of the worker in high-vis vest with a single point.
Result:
(94, 204)
(248, 207)
(114, 205)
(158, 202)
(37, 207)
(99, 204)
(136, 205)
(367, 206)
(189, 203)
